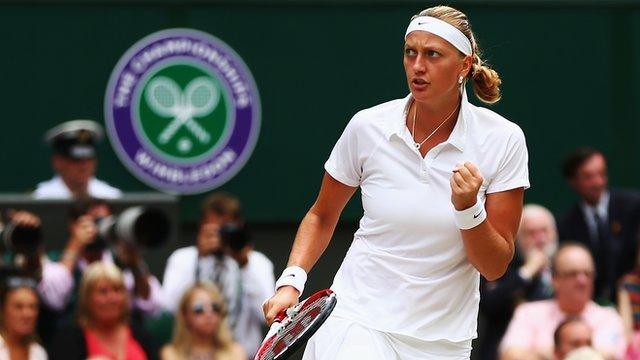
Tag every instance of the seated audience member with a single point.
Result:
(604, 220)
(85, 247)
(528, 277)
(102, 330)
(206, 261)
(629, 308)
(572, 333)
(19, 303)
(74, 161)
(258, 284)
(201, 330)
(530, 332)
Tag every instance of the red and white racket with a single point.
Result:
(295, 325)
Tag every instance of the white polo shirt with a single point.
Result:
(406, 271)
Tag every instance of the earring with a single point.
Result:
(460, 79)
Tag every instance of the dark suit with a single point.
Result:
(617, 255)
(498, 300)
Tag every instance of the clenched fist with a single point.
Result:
(465, 184)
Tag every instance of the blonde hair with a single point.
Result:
(182, 338)
(99, 271)
(486, 81)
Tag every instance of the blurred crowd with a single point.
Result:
(572, 290)
(96, 299)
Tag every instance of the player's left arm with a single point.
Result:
(489, 245)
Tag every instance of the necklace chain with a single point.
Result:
(413, 128)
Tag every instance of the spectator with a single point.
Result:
(201, 330)
(85, 247)
(572, 333)
(26, 253)
(74, 161)
(103, 329)
(258, 284)
(206, 261)
(19, 303)
(629, 308)
(530, 332)
(604, 220)
(528, 277)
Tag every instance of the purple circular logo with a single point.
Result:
(182, 111)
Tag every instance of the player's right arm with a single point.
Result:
(312, 239)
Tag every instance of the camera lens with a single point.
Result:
(22, 239)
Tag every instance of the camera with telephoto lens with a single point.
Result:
(21, 239)
(234, 235)
(139, 225)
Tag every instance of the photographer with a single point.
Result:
(85, 246)
(258, 283)
(22, 238)
(206, 261)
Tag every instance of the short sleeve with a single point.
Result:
(513, 170)
(344, 162)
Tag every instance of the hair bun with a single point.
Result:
(486, 83)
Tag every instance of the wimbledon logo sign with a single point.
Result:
(182, 111)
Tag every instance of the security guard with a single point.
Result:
(74, 161)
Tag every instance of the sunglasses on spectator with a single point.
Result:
(200, 308)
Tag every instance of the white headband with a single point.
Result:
(442, 29)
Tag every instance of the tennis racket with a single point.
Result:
(295, 325)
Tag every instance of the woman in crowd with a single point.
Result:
(103, 330)
(201, 330)
(19, 302)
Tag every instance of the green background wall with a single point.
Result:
(569, 71)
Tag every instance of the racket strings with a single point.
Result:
(290, 331)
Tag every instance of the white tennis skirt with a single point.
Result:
(342, 339)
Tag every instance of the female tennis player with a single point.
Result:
(442, 185)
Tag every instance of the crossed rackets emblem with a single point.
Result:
(166, 99)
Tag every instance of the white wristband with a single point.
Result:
(294, 276)
(471, 217)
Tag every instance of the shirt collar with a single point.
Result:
(601, 208)
(458, 135)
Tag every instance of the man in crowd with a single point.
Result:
(258, 284)
(572, 333)
(605, 220)
(528, 277)
(74, 161)
(244, 275)
(530, 332)
(206, 261)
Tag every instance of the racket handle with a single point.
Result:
(281, 315)
(277, 323)
(273, 329)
